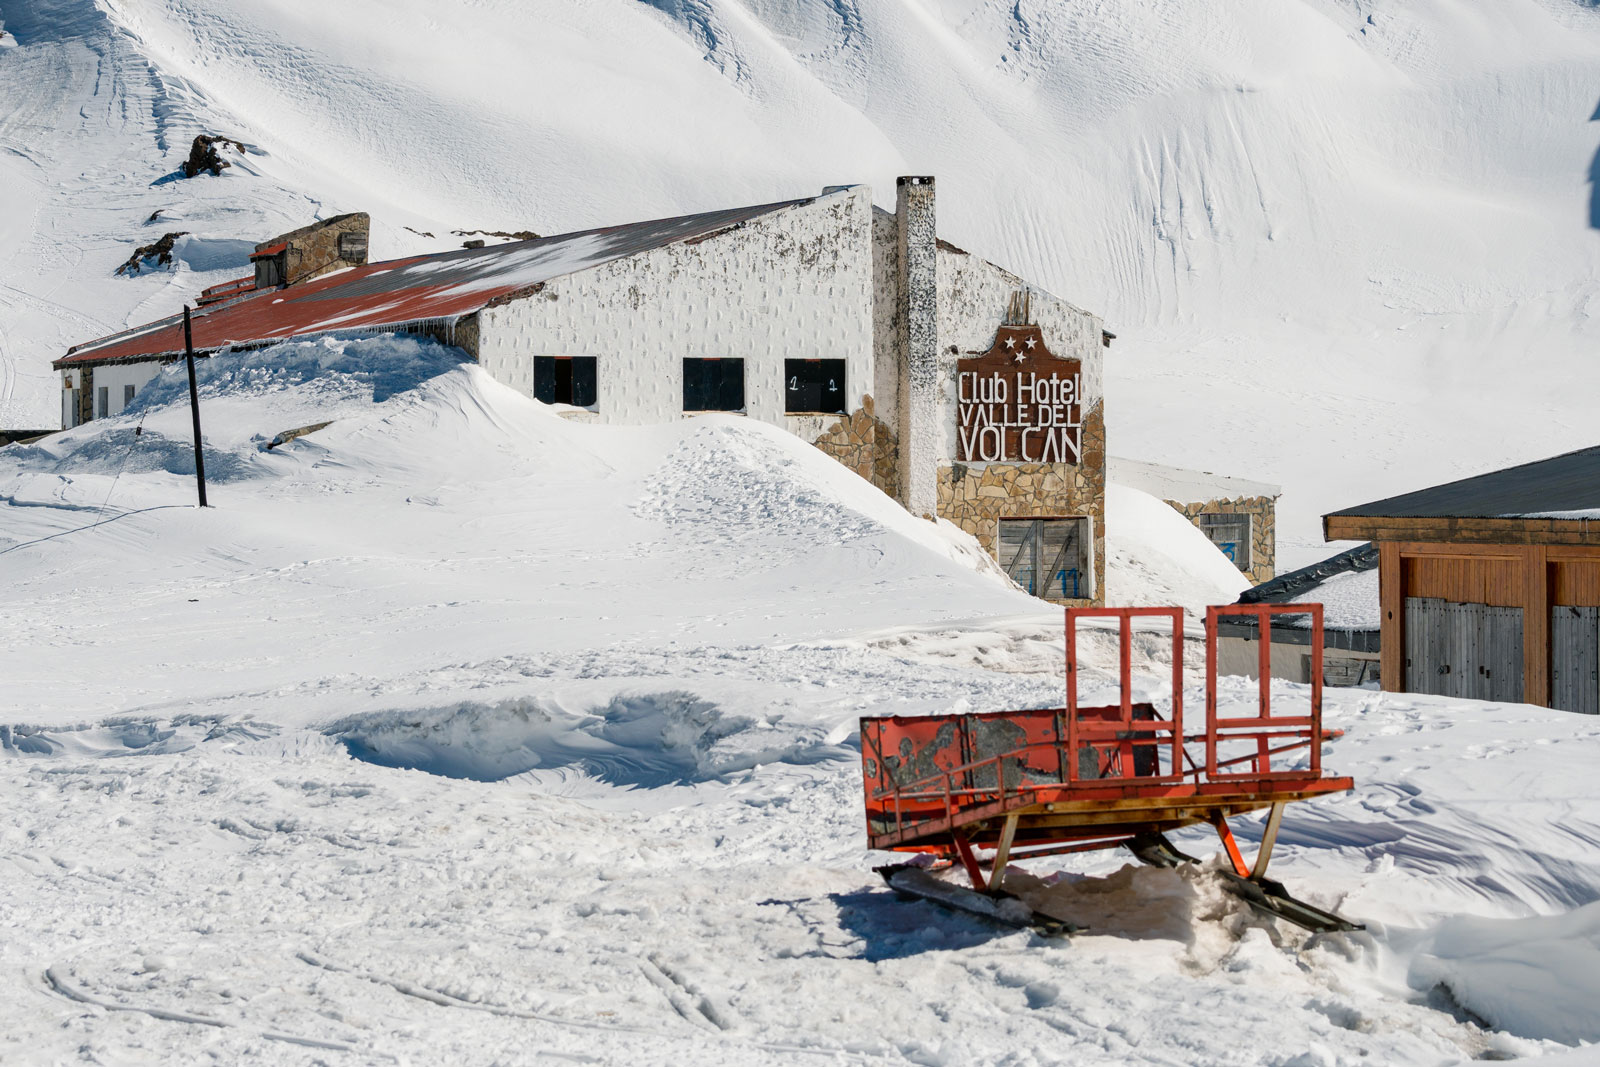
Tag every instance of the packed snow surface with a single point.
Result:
(1347, 246)
(455, 732)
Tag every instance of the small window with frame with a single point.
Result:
(713, 385)
(353, 247)
(1231, 534)
(127, 394)
(566, 380)
(813, 387)
(1048, 558)
(102, 401)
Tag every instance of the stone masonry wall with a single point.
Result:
(1263, 529)
(975, 497)
(314, 250)
(865, 444)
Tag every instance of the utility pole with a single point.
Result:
(194, 405)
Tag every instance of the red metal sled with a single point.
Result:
(1070, 779)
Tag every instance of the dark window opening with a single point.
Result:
(1231, 535)
(1048, 557)
(713, 385)
(565, 380)
(102, 401)
(813, 386)
(127, 395)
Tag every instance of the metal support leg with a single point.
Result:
(1269, 837)
(1232, 847)
(970, 862)
(1003, 853)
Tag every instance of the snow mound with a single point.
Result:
(245, 399)
(725, 485)
(1156, 557)
(636, 740)
(1537, 977)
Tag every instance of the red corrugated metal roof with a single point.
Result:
(271, 250)
(446, 285)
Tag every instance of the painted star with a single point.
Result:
(1011, 342)
(1030, 342)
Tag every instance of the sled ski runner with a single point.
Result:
(1001, 907)
(1043, 782)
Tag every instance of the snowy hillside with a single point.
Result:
(456, 732)
(1325, 231)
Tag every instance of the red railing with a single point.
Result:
(1263, 726)
(1125, 727)
(1114, 734)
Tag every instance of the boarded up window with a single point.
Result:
(1341, 670)
(713, 385)
(270, 271)
(565, 380)
(102, 402)
(353, 247)
(1231, 535)
(813, 386)
(1048, 557)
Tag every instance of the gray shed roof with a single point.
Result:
(1562, 486)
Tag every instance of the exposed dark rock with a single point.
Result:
(154, 215)
(160, 250)
(203, 155)
(420, 233)
(520, 235)
(473, 244)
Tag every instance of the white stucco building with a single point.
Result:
(952, 384)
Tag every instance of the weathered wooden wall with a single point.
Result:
(1532, 577)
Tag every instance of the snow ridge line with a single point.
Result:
(66, 989)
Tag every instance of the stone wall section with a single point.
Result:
(976, 497)
(1263, 528)
(462, 333)
(315, 250)
(796, 283)
(866, 444)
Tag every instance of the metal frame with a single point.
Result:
(1264, 724)
(1125, 725)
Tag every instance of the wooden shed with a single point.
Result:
(1489, 586)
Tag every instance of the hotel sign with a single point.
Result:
(1017, 403)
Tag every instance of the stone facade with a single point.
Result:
(865, 444)
(322, 247)
(1263, 528)
(976, 496)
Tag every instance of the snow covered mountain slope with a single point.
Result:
(1347, 245)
